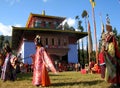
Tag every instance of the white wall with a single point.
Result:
(21, 51)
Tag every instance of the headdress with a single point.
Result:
(109, 28)
(37, 40)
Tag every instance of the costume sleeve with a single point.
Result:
(13, 59)
(33, 57)
(48, 61)
(101, 58)
(117, 52)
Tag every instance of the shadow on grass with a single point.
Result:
(24, 76)
(90, 83)
(28, 76)
(56, 75)
(112, 86)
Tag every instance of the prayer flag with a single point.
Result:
(102, 28)
(92, 3)
(90, 46)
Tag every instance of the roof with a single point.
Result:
(19, 32)
(43, 16)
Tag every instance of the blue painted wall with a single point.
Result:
(29, 48)
(73, 54)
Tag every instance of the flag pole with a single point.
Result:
(95, 37)
(90, 47)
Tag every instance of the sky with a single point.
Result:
(16, 13)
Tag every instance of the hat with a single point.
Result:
(37, 40)
(108, 28)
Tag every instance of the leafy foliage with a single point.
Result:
(1, 41)
(84, 14)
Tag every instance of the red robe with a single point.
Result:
(101, 58)
(102, 64)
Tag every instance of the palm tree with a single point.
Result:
(85, 16)
(80, 27)
(83, 59)
(77, 18)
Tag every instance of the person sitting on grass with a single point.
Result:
(95, 69)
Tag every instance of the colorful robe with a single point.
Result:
(41, 62)
(112, 60)
(8, 72)
(102, 63)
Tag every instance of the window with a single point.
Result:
(52, 41)
(43, 24)
(47, 25)
(65, 42)
(58, 42)
(46, 41)
(50, 24)
(55, 24)
(37, 23)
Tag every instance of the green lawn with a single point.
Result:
(61, 80)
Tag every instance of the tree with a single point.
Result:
(72, 28)
(77, 18)
(6, 42)
(83, 59)
(80, 27)
(79, 23)
(115, 31)
(1, 41)
(85, 16)
(66, 26)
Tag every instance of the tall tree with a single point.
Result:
(6, 42)
(83, 59)
(85, 16)
(80, 27)
(77, 18)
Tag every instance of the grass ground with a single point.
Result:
(61, 80)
